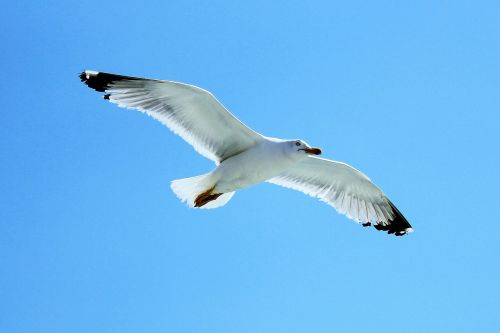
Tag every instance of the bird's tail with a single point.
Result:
(187, 189)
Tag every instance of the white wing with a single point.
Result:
(191, 112)
(348, 190)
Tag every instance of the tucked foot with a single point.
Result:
(205, 197)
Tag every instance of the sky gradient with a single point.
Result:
(93, 240)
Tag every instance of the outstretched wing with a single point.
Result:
(348, 190)
(191, 112)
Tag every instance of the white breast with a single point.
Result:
(255, 165)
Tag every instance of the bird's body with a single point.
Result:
(244, 157)
(268, 158)
(264, 161)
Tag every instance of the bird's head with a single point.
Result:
(300, 147)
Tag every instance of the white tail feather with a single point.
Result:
(187, 189)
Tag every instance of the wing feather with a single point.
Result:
(190, 112)
(348, 190)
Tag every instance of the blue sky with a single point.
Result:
(93, 240)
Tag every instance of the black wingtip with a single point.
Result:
(399, 226)
(101, 81)
(82, 77)
(95, 80)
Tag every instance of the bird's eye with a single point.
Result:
(297, 143)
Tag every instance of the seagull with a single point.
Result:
(244, 157)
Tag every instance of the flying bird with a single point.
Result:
(244, 157)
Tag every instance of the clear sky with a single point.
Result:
(93, 240)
